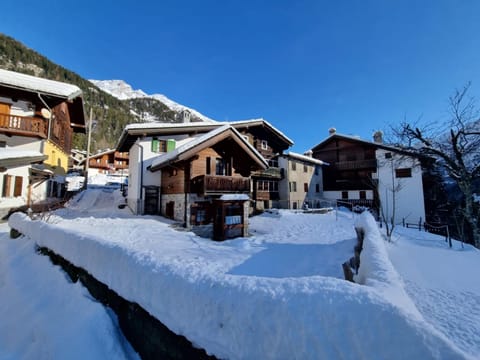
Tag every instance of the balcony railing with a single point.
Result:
(357, 164)
(271, 173)
(23, 125)
(211, 184)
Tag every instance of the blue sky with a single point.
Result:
(304, 66)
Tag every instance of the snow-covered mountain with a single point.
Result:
(123, 91)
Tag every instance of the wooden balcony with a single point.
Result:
(210, 184)
(269, 173)
(355, 165)
(23, 125)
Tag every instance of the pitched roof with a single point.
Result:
(305, 158)
(131, 131)
(199, 143)
(35, 84)
(14, 157)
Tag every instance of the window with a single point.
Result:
(201, 216)
(264, 145)
(403, 173)
(219, 167)
(305, 168)
(158, 145)
(246, 137)
(223, 167)
(388, 155)
(305, 187)
(208, 166)
(345, 195)
(363, 194)
(294, 165)
(273, 162)
(317, 188)
(293, 186)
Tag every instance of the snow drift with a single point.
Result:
(244, 317)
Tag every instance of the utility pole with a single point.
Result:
(87, 161)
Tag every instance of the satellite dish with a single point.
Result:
(46, 113)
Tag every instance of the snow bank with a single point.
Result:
(247, 317)
(39, 311)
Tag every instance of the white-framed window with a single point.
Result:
(264, 145)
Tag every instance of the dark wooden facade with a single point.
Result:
(194, 177)
(109, 162)
(351, 164)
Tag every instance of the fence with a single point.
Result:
(439, 229)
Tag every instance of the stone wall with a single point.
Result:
(148, 336)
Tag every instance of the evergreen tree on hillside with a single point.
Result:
(111, 114)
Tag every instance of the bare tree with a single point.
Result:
(455, 145)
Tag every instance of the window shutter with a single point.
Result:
(18, 186)
(155, 145)
(6, 185)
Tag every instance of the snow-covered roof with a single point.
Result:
(258, 122)
(17, 154)
(160, 125)
(232, 197)
(196, 141)
(141, 129)
(358, 139)
(14, 157)
(36, 84)
(305, 158)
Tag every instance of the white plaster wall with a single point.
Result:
(17, 171)
(409, 197)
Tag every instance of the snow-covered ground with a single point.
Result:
(279, 293)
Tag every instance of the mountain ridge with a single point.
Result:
(112, 114)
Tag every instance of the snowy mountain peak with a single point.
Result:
(119, 89)
(123, 91)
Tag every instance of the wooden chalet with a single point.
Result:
(364, 173)
(109, 162)
(206, 180)
(147, 141)
(37, 116)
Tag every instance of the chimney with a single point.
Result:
(378, 137)
(332, 131)
(308, 153)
